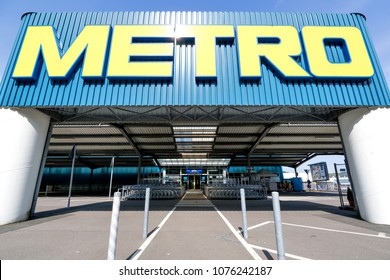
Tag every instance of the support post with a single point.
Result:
(40, 173)
(278, 226)
(146, 214)
(365, 133)
(22, 148)
(164, 178)
(139, 170)
(249, 170)
(112, 175)
(243, 209)
(339, 187)
(73, 152)
(114, 226)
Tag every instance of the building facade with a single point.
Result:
(151, 88)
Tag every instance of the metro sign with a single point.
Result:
(147, 51)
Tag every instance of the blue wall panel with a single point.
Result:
(183, 90)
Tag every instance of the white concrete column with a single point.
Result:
(366, 135)
(22, 141)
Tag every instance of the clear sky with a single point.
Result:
(377, 13)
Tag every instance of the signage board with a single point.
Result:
(194, 171)
(319, 171)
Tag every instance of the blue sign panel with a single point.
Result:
(194, 171)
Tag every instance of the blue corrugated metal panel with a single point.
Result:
(183, 90)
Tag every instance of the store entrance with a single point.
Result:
(194, 182)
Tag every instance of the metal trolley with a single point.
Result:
(157, 191)
(221, 191)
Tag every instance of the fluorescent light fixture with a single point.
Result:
(200, 162)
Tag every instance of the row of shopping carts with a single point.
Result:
(233, 191)
(157, 191)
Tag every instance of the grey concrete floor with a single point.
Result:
(195, 229)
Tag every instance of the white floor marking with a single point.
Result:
(380, 234)
(275, 252)
(238, 236)
(153, 235)
(339, 231)
(260, 225)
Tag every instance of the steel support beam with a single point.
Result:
(128, 138)
(261, 137)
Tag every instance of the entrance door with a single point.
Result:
(194, 182)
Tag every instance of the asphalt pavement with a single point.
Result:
(194, 228)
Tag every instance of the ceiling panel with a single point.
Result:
(282, 144)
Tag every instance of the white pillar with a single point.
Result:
(22, 141)
(366, 134)
(164, 176)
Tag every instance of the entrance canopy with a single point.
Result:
(243, 139)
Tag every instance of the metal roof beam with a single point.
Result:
(261, 137)
(128, 138)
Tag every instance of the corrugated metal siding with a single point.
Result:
(183, 90)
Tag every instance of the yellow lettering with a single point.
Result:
(92, 42)
(205, 40)
(359, 64)
(147, 51)
(126, 52)
(278, 44)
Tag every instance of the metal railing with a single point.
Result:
(157, 191)
(221, 191)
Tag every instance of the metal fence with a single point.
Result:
(233, 191)
(157, 191)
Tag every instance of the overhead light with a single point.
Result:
(194, 128)
(202, 139)
(194, 155)
(194, 162)
(178, 130)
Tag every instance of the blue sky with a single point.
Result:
(376, 11)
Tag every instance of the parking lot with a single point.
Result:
(195, 228)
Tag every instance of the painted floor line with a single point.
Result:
(339, 231)
(152, 236)
(275, 252)
(238, 236)
(141, 249)
(260, 225)
(379, 235)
